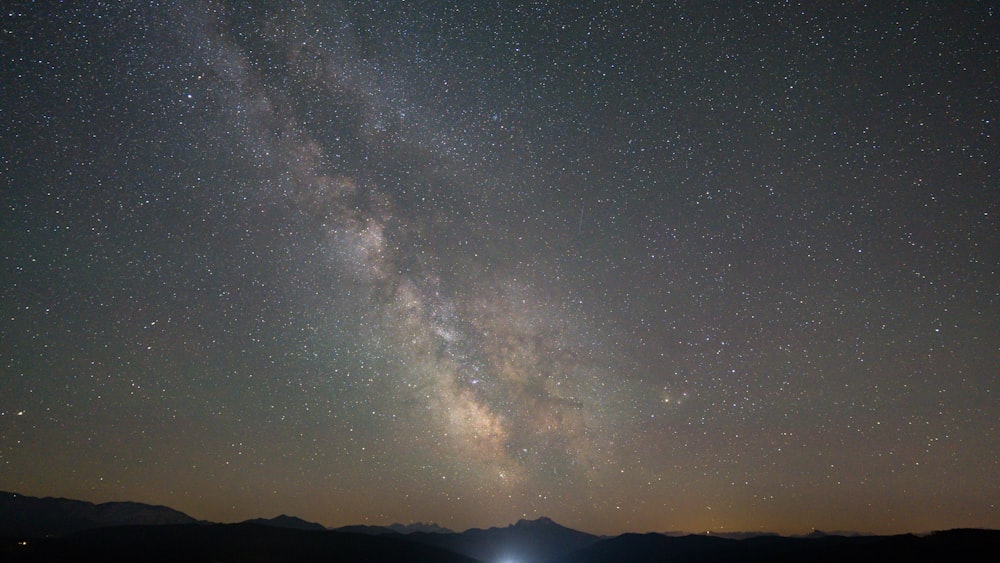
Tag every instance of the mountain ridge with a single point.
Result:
(28, 516)
(286, 521)
(56, 529)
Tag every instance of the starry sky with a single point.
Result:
(635, 266)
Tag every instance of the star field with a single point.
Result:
(633, 266)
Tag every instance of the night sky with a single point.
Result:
(634, 266)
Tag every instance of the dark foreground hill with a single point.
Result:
(285, 521)
(32, 517)
(254, 543)
(46, 529)
(221, 543)
(950, 546)
(525, 541)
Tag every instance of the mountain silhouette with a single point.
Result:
(527, 540)
(366, 529)
(424, 527)
(222, 543)
(417, 527)
(55, 529)
(285, 521)
(33, 517)
(952, 545)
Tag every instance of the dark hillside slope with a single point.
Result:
(223, 543)
(951, 546)
(32, 517)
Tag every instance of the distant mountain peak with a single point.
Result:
(836, 533)
(286, 521)
(540, 522)
(422, 527)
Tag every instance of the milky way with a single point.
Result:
(634, 267)
(497, 377)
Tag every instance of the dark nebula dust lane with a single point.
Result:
(636, 266)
